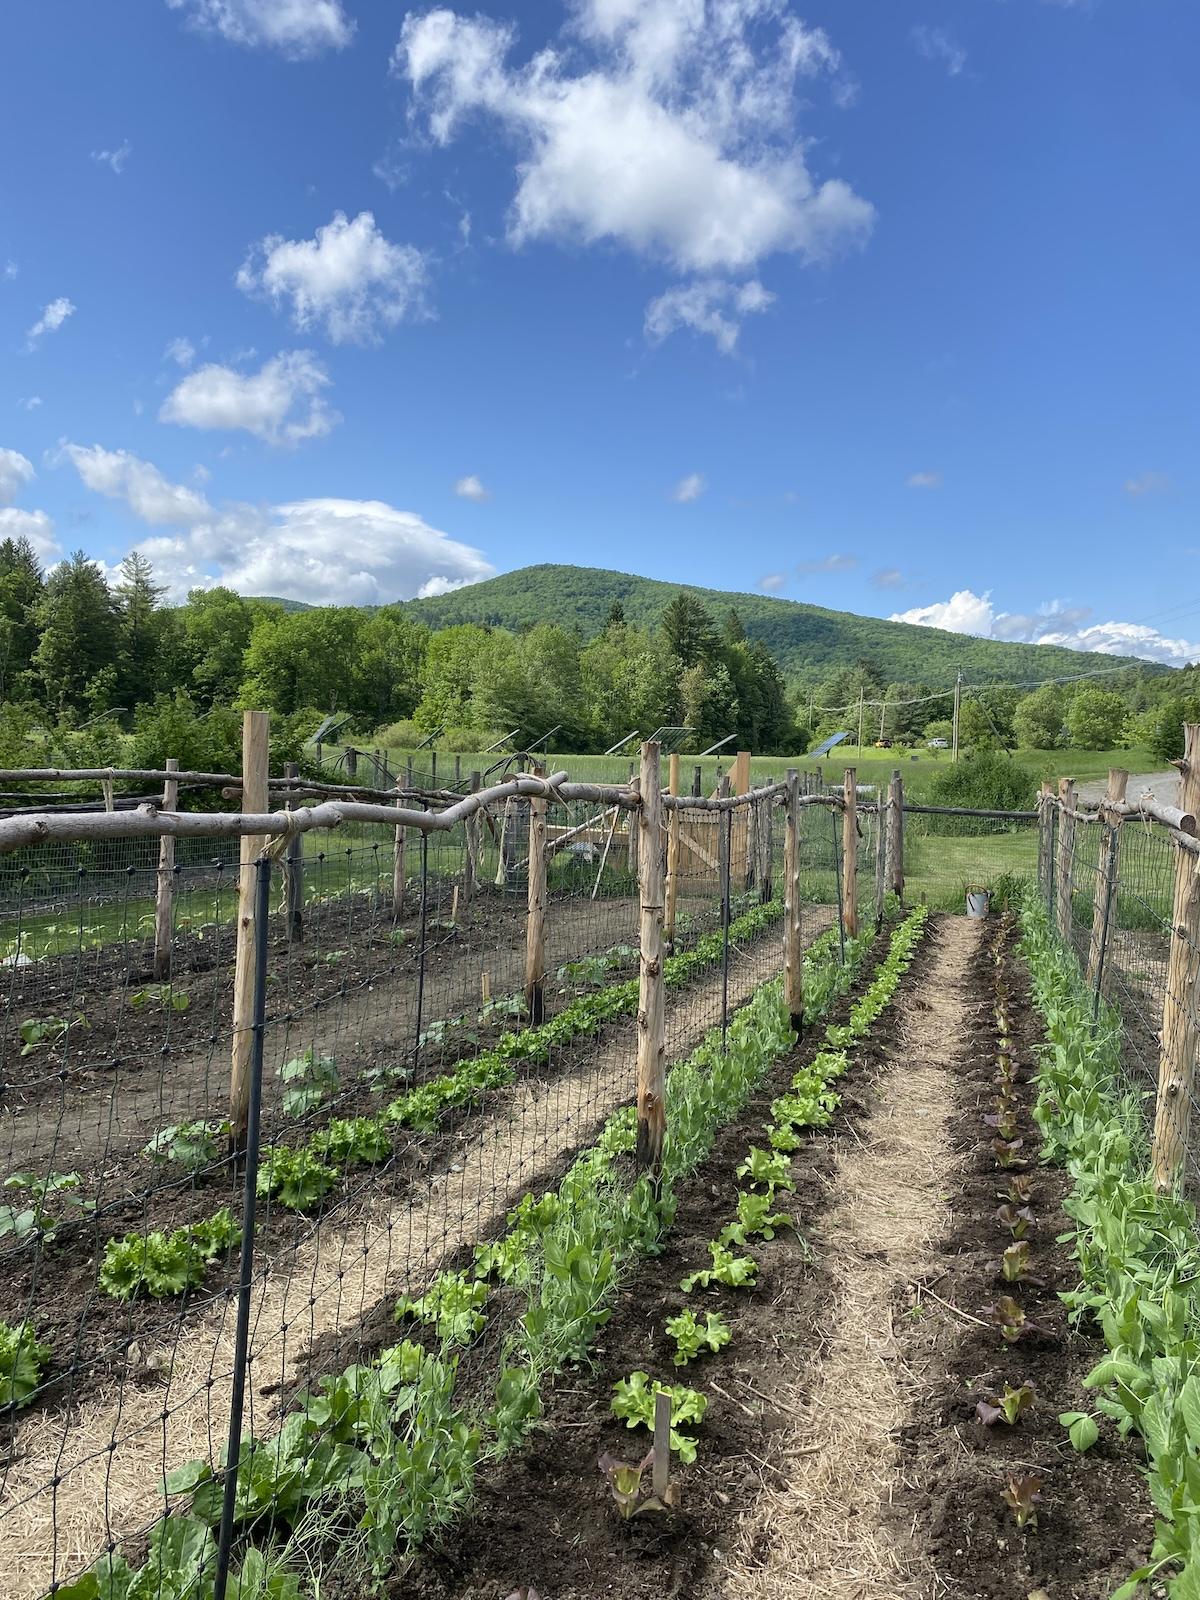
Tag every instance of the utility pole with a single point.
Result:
(957, 703)
(882, 713)
(860, 718)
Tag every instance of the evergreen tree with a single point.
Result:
(688, 631)
(20, 591)
(77, 616)
(137, 598)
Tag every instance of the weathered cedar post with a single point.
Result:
(895, 843)
(166, 882)
(1181, 1026)
(651, 1017)
(766, 828)
(793, 956)
(1107, 861)
(850, 849)
(632, 843)
(471, 850)
(672, 852)
(351, 761)
(535, 921)
(881, 837)
(1044, 858)
(1066, 857)
(457, 770)
(294, 872)
(256, 741)
(408, 773)
(697, 782)
(739, 779)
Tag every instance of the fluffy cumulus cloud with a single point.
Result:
(668, 126)
(711, 306)
(120, 475)
(348, 280)
(296, 28)
(1052, 623)
(471, 488)
(283, 402)
(689, 488)
(36, 526)
(16, 471)
(51, 319)
(326, 551)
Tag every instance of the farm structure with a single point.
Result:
(330, 1165)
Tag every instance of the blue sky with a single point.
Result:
(882, 305)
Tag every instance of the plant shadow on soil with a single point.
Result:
(544, 1517)
(1095, 1521)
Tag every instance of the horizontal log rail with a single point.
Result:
(971, 811)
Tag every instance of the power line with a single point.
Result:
(948, 694)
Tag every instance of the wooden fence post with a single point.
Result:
(535, 920)
(651, 1017)
(399, 870)
(351, 761)
(256, 748)
(895, 844)
(793, 955)
(1180, 1026)
(293, 882)
(471, 847)
(165, 892)
(672, 852)
(1045, 860)
(1107, 860)
(766, 871)
(1066, 858)
(850, 849)
(739, 833)
(881, 840)
(632, 841)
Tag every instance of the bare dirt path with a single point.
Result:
(105, 1461)
(826, 1533)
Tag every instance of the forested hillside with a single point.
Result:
(806, 641)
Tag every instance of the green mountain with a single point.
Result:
(807, 641)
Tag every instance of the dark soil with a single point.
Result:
(545, 1517)
(1094, 1520)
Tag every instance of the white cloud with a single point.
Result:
(470, 488)
(677, 139)
(296, 28)
(30, 402)
(1147, 483)
(281, 403)
(349, 279)
(773, 582)
(707, 305)
(16, 471)
(35, 526)
(935, 44)
(888, 578)
(840, 562)
(115, 159)
(51, 319)
(120, 475)
(924, 480)
(182, 351)
(10, 270)
(689, 488)
(1052, 623)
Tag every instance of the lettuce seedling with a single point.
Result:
(754, 1216)
(1009, 1407)
(1008, 1152)
(1003, 1122)
(1017, 1219)
(1019, 1191)
(1022, 1493)
(691, 1336)
(633, 1400)
(785, 1139)
(1009, 1317)
(737, 1272)
(294, 1179)
(625, 1480)
(767, 1167)
(22, 1361)
(1014, 1264)
(352, 1141)
(451, 1304)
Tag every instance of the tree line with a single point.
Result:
(87, 665)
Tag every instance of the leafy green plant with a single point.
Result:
(1009, 1407)
(37, 1031)
(633, 1402)
(769, 1167)
(1017, 1219)
(754, 1217)
(309, 1078)
(190, 1145)
(1015, 1263)
(160, 994)
(1010, 1319)
(22, 1361)
(294, 1179)
(452, 1305)
(164, 1264)
(1082, 1429)
(692, 1336)
(36, 1220)
(737, 1272)
(351, 1141)
(1009, 1152)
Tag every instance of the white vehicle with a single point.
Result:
(939, 744)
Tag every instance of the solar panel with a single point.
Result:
(824, 749)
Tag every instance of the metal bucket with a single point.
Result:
(977, 902)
